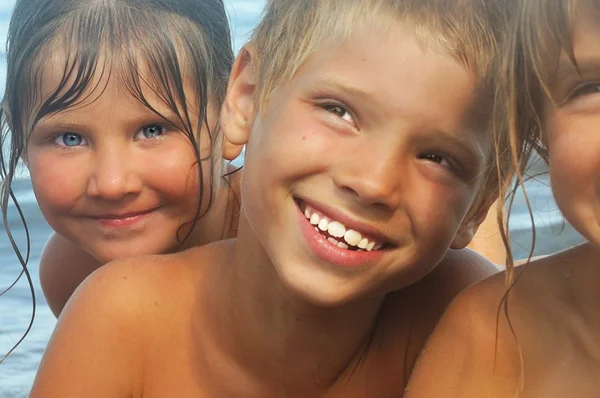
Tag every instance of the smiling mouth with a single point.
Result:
(340, 235)
(125, 216)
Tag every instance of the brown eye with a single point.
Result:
(433, 158)
(436, 158)
(585, 89)
(340, 112)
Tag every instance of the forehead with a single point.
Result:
(399, 74)
(63, 73)
(585, 28)
(580, 57)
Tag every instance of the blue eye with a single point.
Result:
(70, 140)
(149, 132)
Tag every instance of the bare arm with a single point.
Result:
(63, 267)
(464, 358)
(94, 350)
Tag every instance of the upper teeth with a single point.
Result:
(338, 230)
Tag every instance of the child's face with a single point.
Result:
(572, 130)
(111, 176)
(373, 142)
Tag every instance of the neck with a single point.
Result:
(220, 220)
(273, 335)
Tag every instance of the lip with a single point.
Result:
(123, 220)
(323, 249)
(349, 222)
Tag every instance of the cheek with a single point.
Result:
(57, 182)
(292, 141)
(437, 210)
(574, 162)
(175, 174)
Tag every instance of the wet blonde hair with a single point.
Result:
(290, 31)
(542, 31)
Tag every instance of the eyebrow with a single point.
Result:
(332, 83)
(66, 124)
(50, 121)
(328, 83)
(462, 144)
(586, 65)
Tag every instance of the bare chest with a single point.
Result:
(567, 368)
(181, 367)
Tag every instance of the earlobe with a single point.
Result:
(464, 236)
(469, 228)
(238, 111)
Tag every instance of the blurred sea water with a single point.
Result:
(17, 372)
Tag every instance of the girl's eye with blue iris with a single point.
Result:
(148, 132)
(70, 140)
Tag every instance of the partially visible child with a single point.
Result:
(369, 155)
(113, 107)
(542, 338)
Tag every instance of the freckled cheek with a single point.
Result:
(301, 139)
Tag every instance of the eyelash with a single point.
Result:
(332, 107)
(450, 163)
(55, 138)
(581, 90)
(442, 158)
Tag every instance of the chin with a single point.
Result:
(106, 256)
(319, 287)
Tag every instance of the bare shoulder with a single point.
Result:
(547, 284)
(460, 269)
(471, 351)
(409, 315)
(147, 285)
(102, 336)
(63, 266)
(478, 344)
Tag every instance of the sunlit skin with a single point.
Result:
(115, 180)
(554, 306)
(276, 310)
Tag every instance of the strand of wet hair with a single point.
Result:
(22, 261)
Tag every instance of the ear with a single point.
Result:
(238, 111)
(467, 230)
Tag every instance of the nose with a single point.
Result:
(114, 175)
(373, 178)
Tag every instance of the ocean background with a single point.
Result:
(18, 370)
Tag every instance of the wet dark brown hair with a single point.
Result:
(145, 43)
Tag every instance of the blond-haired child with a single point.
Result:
(369, 155)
